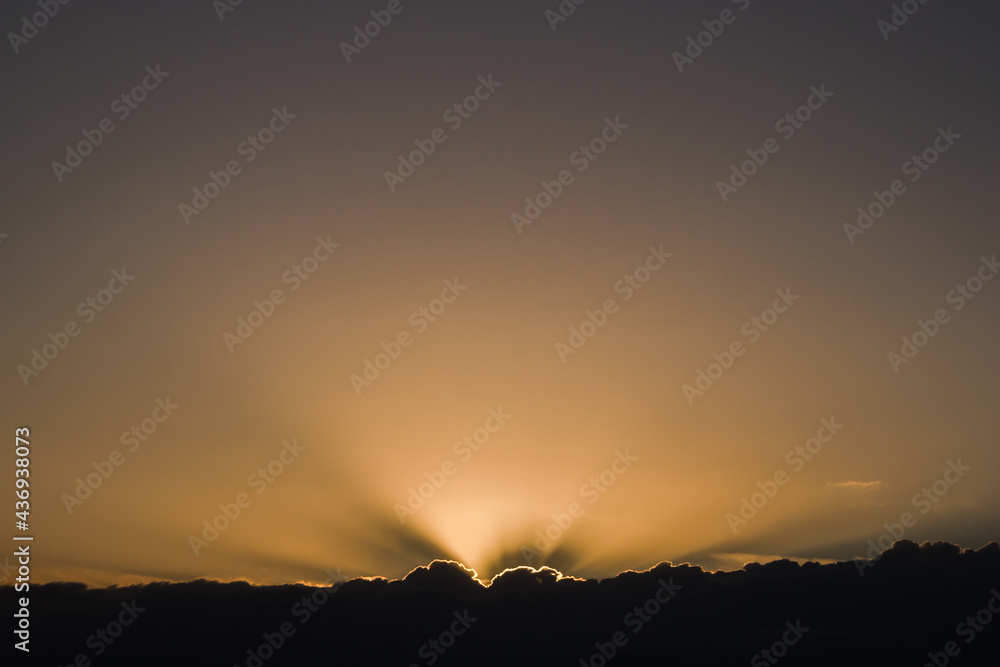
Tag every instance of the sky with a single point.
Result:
(498, 284)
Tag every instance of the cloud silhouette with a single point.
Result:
(908, 603)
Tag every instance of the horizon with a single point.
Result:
(334, 578)
(916, 604)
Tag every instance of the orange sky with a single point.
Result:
(644, 372)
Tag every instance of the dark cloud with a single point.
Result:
(905, 604)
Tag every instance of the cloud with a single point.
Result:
(856, 486)
(540, 616)
(740, 560)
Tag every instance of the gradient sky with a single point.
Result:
(494, 347)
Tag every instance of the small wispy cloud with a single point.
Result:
(857, 486)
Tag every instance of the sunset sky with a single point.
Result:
(442, 370)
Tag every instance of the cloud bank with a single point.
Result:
(909, 603)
